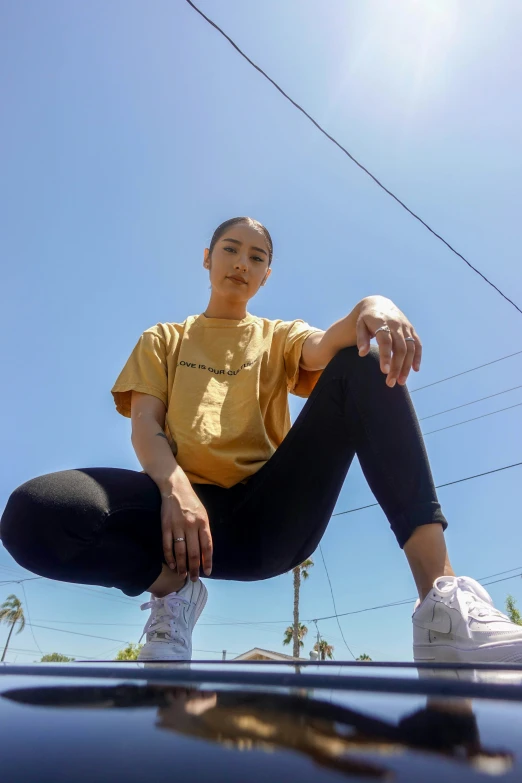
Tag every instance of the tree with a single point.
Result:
(289, 636)
(324, 649)
(514, 614)
(55, 658)
(129, 653)
(363, 657)
(11, 612)
(300, 571)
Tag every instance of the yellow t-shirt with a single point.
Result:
(225, 386)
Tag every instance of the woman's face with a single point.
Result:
(239, 263)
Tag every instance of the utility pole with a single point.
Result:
(224, 655)
(317, 629)
(318, 637)
(8, 640)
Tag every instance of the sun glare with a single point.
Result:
(407, 49)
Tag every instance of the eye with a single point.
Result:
(256, 258)
(230, 249)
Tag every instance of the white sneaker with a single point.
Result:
(457, 622)
(172, 619)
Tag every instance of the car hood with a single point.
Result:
(242, 721)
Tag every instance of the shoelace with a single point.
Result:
(165, 612)
(469, 595)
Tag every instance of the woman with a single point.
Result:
(229, 489)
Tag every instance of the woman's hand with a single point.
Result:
(400, 348)
(184, 517)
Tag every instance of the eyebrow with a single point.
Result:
(237, 242)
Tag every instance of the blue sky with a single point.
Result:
(132, 129)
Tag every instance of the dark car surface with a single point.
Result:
(203, 721)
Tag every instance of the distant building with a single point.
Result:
(258, 654)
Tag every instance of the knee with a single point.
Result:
(348, 360)
(19, 530)
(42, 523)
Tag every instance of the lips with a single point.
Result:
(237, 279)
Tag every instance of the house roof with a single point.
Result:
(274, 656)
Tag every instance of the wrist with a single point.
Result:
(370, 301)
(170, 485)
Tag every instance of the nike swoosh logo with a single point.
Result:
(440, 621)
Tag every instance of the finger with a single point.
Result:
(399, 355)
(418, 351)
(408, 360)
(180, 550)
(193, 554)
(167, 549)
(363, 337)
(384, 341)
(205, 543)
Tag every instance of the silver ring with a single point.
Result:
(179, 539)
(409, 339)
(384, 328)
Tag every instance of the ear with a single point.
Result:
(269, 272)
(206, 258)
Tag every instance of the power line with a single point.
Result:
(404, 601)
(501, 580)
(25, 651)
(354, 160)
(103, 594)
(475, 418)
(499, 573)
(253, 622)
(119, 598)
(120, 641)
(334, 606)
(261, 622)
(7, 568)
(77, 633)
(438, 486)
(473, 402)
(329, 617)
(464, 372)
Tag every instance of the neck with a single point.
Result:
(220, 308)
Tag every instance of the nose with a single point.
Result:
(240, 263)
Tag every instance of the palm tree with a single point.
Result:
(55, 658)
(129, 653)
(512, 611)
(11, 612)
(299, 571)
(289, 636)
(363, 657)
(324, 649)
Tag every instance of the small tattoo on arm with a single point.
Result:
(161, 435)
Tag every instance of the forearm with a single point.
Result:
(341, 334)
(155, 455)
(320, 348)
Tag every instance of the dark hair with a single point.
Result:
(223, 228)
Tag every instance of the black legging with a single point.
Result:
(102, 525)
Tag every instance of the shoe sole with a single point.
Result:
(491, 653)
(472, 675)
(200, 605)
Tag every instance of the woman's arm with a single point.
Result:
(374, 316)
(150, 442)
(183, 516)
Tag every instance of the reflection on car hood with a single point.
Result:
(253, 722)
